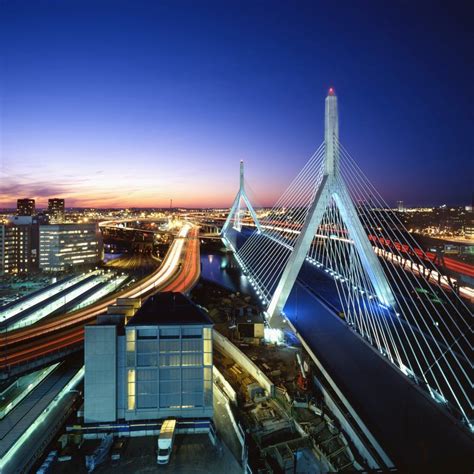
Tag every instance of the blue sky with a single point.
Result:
(114, 103)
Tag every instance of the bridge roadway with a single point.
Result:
(451, 264)
(21, 348)
(417, 435)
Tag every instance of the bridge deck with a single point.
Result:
(415, 433)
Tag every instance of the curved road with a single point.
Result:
(179, 272)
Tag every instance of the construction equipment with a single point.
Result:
(302, 380)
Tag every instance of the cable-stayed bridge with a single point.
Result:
(332, 222)
(236, 211)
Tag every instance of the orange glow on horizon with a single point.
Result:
(200, 200)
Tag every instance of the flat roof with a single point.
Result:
(169, 308)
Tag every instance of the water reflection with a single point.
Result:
(218, 268)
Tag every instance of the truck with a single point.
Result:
(165, 441)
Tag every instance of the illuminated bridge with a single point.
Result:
(332, 263)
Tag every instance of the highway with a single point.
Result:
(451, 264)
(179, 271)
(190, 270)
(392, 407)
(141, 262)
(419, 269)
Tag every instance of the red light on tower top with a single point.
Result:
(331, 91)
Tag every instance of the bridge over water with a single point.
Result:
(401, 352)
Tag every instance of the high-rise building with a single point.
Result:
(469, 229)
(56, 210)
(158, 365)
(15, 249)
(25, 207)
(29, 226)
(400, 206)
(63, 246)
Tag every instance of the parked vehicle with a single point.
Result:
(165, 441)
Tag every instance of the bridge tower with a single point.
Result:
(333, 188)
(235, 209)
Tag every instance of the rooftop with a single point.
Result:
(169, 308)
(192, 453)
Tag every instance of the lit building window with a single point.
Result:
(131, 345)
(131, 389)
(207, 334)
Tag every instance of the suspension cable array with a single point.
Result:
(395, 297)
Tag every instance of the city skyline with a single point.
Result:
(135, 106)
(236, 236)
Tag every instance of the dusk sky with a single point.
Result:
(131, 103)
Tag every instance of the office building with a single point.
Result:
(15, 249)
(25, 207)
(33, 223)
(469, 229)
(56, 210)
(159, 365)
(64, 246)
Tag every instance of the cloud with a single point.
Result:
(13, 189)
(109, 188)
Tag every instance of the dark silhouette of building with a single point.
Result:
(56, 210)
(25, 207)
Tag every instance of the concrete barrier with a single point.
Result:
(342, 417)
(224, 345)
(226, 387)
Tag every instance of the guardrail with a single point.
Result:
(228, 348)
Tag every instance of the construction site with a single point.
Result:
(274, 392)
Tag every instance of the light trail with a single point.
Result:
(419, 269)
(190, 268)
(136, 290)
(451, 264)
(65, 331)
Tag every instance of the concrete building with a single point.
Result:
(56, 210)
(25, 207)
(63, 246)
(15, 249)
(32, 223)
(159, 365)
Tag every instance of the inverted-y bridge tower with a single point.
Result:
(332, 230)
(333, 187)
(235, 211)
